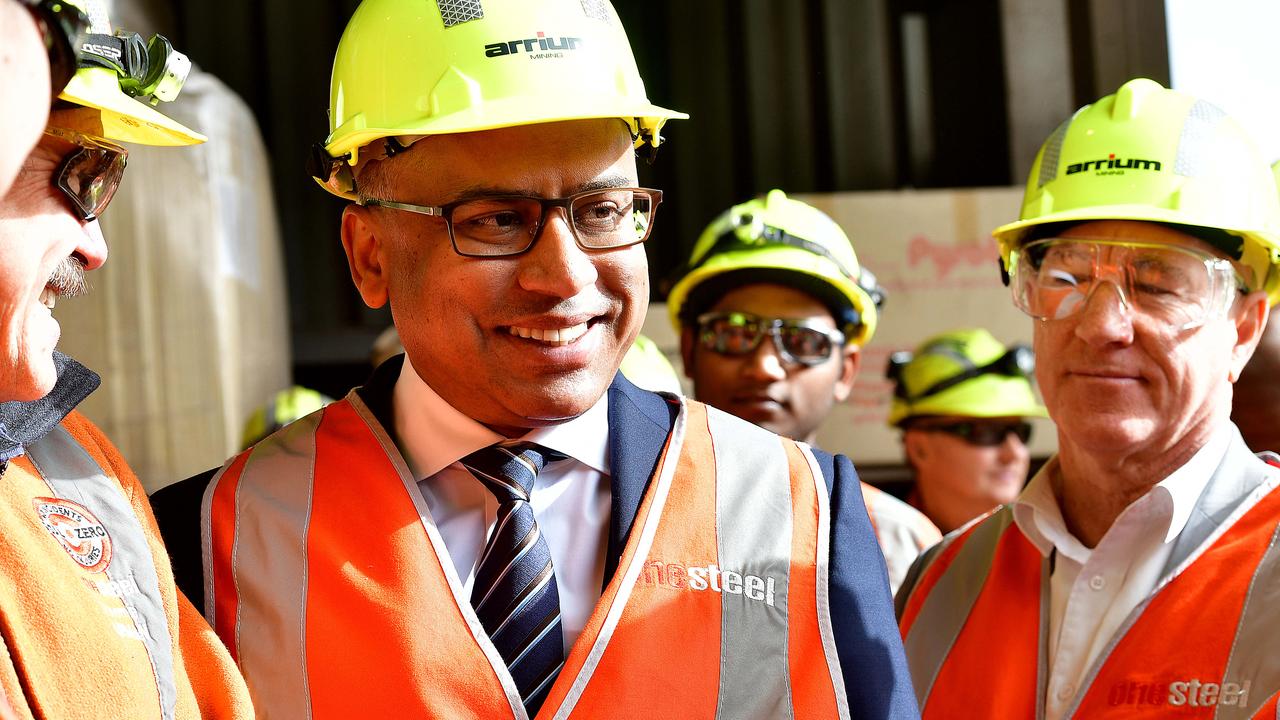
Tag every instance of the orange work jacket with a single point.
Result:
(1203, 645)
(91, 624)
(332, 587)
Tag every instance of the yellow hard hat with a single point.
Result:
(963, 373)
(646, 366)
(1152, 154)
(117, 72)
(778, 239)
(411, 68)
(283, 408)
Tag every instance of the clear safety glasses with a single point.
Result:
(1178, 287)
(509, 224)
(797, 341)
(90, 174)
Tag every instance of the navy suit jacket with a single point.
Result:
(866, 633)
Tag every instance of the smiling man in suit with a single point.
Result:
(498, 524)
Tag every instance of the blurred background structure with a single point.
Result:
(909, 121)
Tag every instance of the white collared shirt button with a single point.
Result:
(1097, 582)
(1065, 692)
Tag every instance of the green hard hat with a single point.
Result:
(1151, 154)
(963, 373)
(780, 240)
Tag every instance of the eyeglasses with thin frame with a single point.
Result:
(981, 433)
(504, 225)
(739, 333)
(1178, 287)
(90, 174)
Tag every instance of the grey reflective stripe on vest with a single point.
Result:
(947, 606)
(1042, 653)
(1254, 657)
(823, 586)
(1239, 482)
(753, 530)
(273, 501)
(74, 475)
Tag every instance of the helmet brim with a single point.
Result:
(502, 113)
(122, 117)
(987, 396)
(793, 260)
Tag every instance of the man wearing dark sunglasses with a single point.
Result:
(90, 621)
(962, 400)
(773, 309)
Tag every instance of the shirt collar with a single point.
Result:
(433, 434)
(23, 423)
(1038, 515)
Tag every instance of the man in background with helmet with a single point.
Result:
(962, 400)
(1135, 575)
(1255, 404)
(498, 524)
(773, 310)
(89, 617)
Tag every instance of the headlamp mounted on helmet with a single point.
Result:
(150, 70)
(1018, 361)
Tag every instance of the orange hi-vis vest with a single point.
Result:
(90, 623)
(1203, 645)
(328, 580)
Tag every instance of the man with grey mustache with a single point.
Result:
(88, 607)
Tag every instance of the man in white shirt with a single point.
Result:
(1135, 575)
(498, 524)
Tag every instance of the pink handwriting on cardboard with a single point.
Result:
(947, 256)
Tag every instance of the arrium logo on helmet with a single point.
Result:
(538, 47)
(1111, 166)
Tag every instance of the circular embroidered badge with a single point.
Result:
(78, 531)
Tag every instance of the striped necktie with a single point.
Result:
(514, 593)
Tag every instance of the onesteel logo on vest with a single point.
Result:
(538, 47)
(678, 576)
(1179, 693)
(1112, 166)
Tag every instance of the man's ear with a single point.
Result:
(362, 242)
(1250, 318)
(850, 361)
(916, 447)
(687, 342)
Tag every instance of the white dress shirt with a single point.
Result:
(570, 500)
(1093, 591)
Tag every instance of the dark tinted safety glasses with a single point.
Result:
(90, 174)
(797, 341)
(982, 433)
